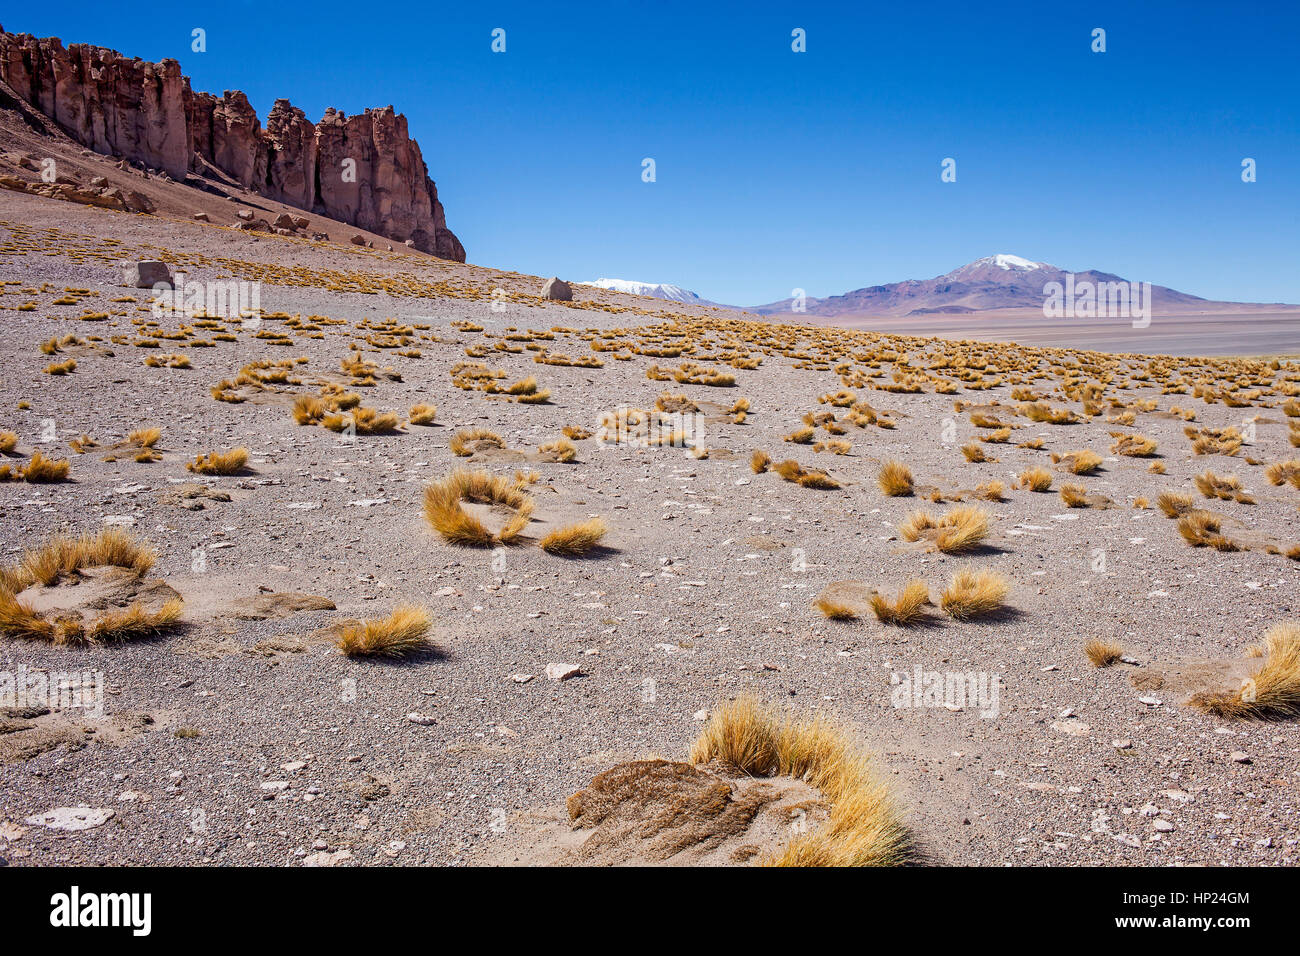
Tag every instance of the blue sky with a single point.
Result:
(817, 170)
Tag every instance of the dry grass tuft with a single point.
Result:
(1036, 479)
(1284, 472)
(422, 414)
(469, 440)
(836, 610)
(37, 470)
(1174, 504)
(865, 827)
(1103, 653)
(574, 540)
(8, 442)
(895, 479)
(1201, 529)
(974, 594)
(1074, 496)
(908, 608)
(1135, 446)
(760, 461)
(219, 462)
(991, 491)
(362, 421)
(444, 511)
(1274, 691)
(1081, 462)
(561, 450)
(403, 632)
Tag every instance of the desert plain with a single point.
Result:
(240, 732)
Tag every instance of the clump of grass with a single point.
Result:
(801, 436)
(1274, 690)
(61, 368)
(445, 512)
(1200, 529)
(574, 540)
(1278, 473)
(865, 827)
(144, 437)
(908, 608)
(974, 453)
(1135, 446)
(991, 491)
(219, 462)
(469, 440)
(760, 461)
(404, 632)
(1223, 487)
(895, 479)
(561, 450)
(63, 557)
(308, 410)
(792, 471)
(973, 594)
(40, 470)
(1103, 653)
(362, 421)
(8, 442)
(422, 414)
(1081, 462)
(1174, 504)
(1074, 496)
(836, 610)
(1036, 479)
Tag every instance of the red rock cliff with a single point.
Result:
(147, 113)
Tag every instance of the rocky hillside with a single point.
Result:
(364, 170)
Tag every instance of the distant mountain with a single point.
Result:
(994, 282)
(657, 290)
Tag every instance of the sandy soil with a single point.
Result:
(290, 753)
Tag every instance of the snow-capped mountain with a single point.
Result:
(657, 290)
(1001, 281)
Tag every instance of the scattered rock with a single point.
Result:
(72, 818)
(562, 671)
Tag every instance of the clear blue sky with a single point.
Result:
(818, 170)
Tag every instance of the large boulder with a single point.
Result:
(558, 290)
(145, 274)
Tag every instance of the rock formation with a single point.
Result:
(364, 170)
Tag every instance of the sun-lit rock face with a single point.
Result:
(364, 170)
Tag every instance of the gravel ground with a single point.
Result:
(704, 591)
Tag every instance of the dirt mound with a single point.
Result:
(273, 606)
(97, 589)
(666, 813)
(27, 732)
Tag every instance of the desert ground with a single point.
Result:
(241, 733)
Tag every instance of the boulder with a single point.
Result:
(145, 274)
(557, 289)
(284, 221)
